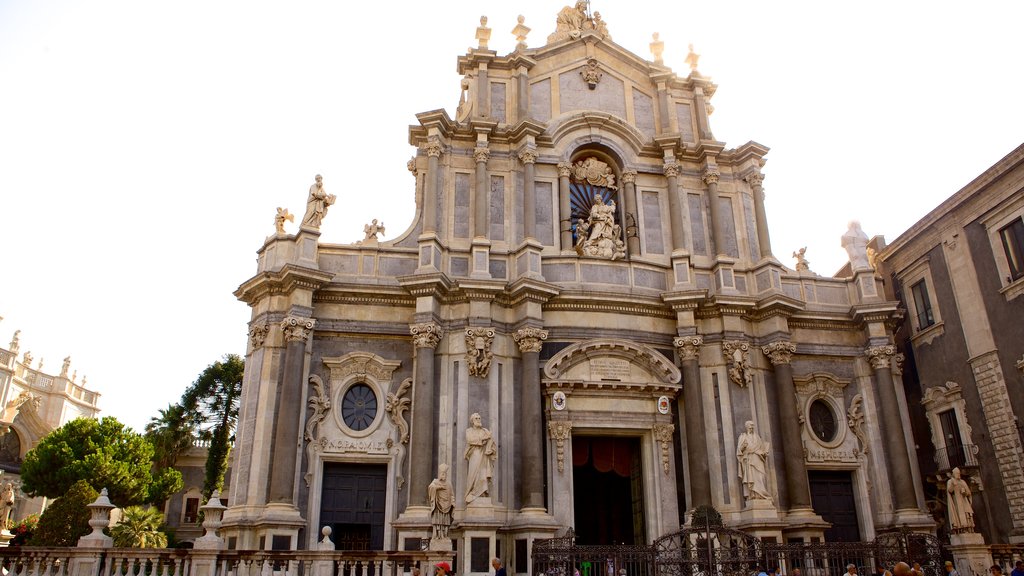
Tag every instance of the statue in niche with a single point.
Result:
(481, 452)
(439, 494)
(855, 241)
(599, 235)
(280, 218)
(317, 203)
(959, 503)
(752, 453)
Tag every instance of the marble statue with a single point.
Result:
(478, 351)
(439, 494)
(7, 500)
(65, 367)
(855, 241)
(959, 503)
(601, 27)
(317, 203)
(481, 452)
(752, 453)
(599, 235)
(802, 265)
(280, 218)
(16, 342)
(657, 48)
(372, 229)
(569, 22)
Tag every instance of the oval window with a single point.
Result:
(359, 407)
(823, 421)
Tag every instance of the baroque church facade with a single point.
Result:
(583, 327)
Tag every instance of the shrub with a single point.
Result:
(67, 519)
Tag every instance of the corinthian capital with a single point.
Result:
(779, 352)
(425, 335)
(257, 334)
(564, 169)
(671, 169)
(297, 329)
(629, 176)
(530, 339)
(434, 147)
(481, 154)
(711, 176)
(880, 356)
(528, 155)
(754, 179)
(688, 347)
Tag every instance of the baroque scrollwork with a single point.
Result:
(591, 73)
(297, 329)
(396, 405)
(478, 351)
(425, 335)
(320, 403)
(880, 356)
(779, 352)
(688, 347)
(560, 431)
(530, 339)
(663, 434)
(737, 353)
(594, 172)
(258, 334)
(855, 419)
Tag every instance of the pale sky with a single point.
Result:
(144, 145)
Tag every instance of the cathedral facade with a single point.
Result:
(584, 326)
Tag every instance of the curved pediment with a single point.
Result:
(590, 124)
(607, 359)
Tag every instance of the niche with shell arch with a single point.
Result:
(595, 171)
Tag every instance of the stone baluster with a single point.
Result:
(564, 205)
(530, 341)
(797, 487)
(528, 156)
(711, 177)
(481, 154)
(297, 333)
(764, 241)
(891, 426)
(688, 348)
(425, 337)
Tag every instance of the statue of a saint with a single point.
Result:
(481, 451)
(959, 503)
(752, 453)
(317, 203)
(569, 22)
(439, 493)
(855, 241)
(7, 501)
(600, 236)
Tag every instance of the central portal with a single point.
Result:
(608, 490)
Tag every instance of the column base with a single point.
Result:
(527, 260)
(682, 277)
(480, 263)
(430, 254)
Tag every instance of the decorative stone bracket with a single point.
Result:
(737, 354)
(560, 431)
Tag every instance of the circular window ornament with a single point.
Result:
(359, 407)
(823, 421)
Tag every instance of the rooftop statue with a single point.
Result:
(280, 218)
(317, 203)
(572, 21)
(855, 241)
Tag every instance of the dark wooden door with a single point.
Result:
(832, 498)
(352, 504)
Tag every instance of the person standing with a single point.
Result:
(950, 570)
(1018, 570)
(499, 568)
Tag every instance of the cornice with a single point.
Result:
(290, 277)
(365, 296)
(685, 300)
(777, 305)
(528, 289)
(611, 303)
(434, 284)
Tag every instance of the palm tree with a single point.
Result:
(139, 528)
(171, 434)
(212, 401)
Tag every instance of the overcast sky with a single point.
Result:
(144, 145)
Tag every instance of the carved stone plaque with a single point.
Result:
(609, 369)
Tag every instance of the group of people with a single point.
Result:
(904, 569)
(445, 569)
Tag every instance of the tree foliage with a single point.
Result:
(171, 433)
(103, 453)
(212, 401)
(139, 528)
(67, 519)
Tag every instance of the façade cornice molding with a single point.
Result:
(284, 281)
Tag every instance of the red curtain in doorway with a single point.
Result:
(605, 454)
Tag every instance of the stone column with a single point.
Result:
(703, 126)
(797, 486)
(688, 348)
(564, 206)
(531, 489)
(717, 240)
(675, 211)
(528, 156)
(480, 222)
(425, 338)
(297, 332)
(890, 424)
(434, 150)
(632, 232)
(764, 241)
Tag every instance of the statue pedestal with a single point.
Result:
(440, 545)
(970, 553)
(5, 538)
(760, 518)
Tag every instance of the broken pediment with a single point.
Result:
(611, 360)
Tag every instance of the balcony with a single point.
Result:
(962, 456)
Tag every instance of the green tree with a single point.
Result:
(104, 453)
(212, 400)
(171, 434)
(67, 519)
(139, 528)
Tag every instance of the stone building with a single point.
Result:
(959, 272)
(34, 404)
(590, 271)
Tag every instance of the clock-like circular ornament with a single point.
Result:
(359, 407)
(823, 421)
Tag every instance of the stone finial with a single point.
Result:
(15, 342)
(691, 59)
(520, 32)
(483, 34)
(65, 367)
(213, 512)
(280, 218)
(657, 49)
(100, 512)
(326, 543)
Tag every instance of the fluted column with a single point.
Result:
(528, 156)
(891, 426)
(797, 486)
(764, 241)
(297, 332)
(480, 221)
(564, 206)
(434, 150)
(425, 338)
(688, 348)
(717, 239)
(632, 232)
(675, 212)
(531, 464)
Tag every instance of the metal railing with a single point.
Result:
(961, 456)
